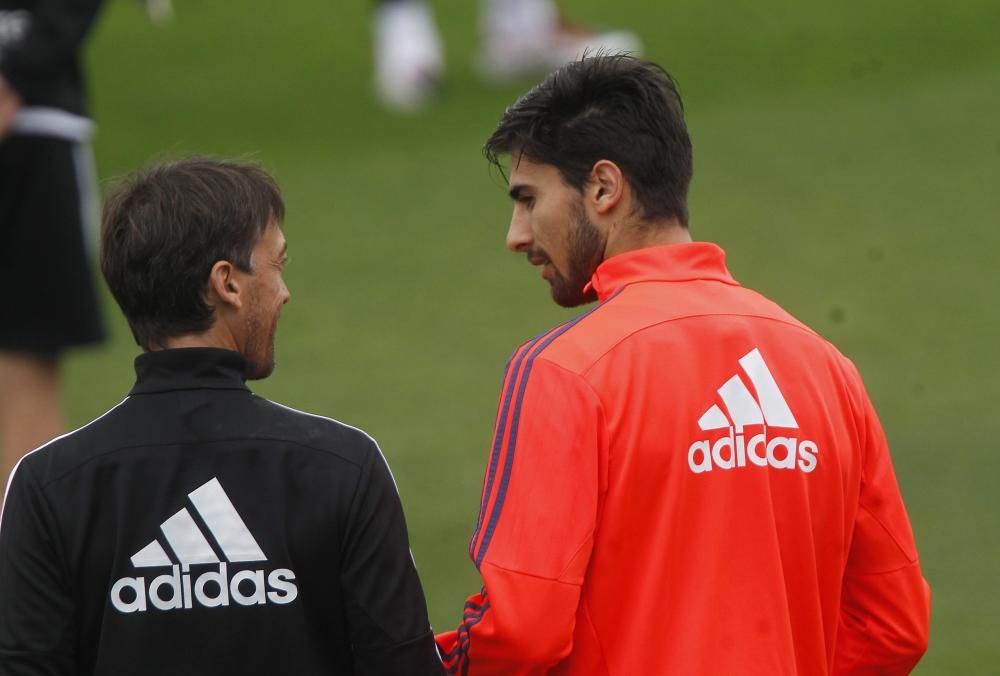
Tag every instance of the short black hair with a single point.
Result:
(607, 106)
(166, 226)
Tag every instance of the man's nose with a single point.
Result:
(518, 234)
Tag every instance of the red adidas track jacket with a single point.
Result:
(687, 480)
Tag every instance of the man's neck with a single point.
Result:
(645, 235)
(214, 337)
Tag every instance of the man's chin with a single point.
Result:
(258, 370)
(260, 358)
(566, 297)
(260, 375)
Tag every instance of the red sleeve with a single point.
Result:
(535, 531)
(885, 603)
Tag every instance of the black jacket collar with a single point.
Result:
(190, 368)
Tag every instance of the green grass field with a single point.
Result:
(847, 157)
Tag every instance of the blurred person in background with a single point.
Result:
(518, 38)
(196, 528)
(48, 213)
(685, 479)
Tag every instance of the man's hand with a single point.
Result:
(10, 103)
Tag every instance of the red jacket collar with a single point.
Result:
(669, 263)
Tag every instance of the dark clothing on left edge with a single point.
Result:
(48, 224)
(196, 528)
(48, 189)
(40, 50)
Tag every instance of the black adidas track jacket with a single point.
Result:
(199, 529)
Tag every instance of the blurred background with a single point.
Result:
(847, 157)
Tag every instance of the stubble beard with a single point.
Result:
(259, 347)
(586, 250)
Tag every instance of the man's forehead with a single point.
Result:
(524, 171)
(273, 237)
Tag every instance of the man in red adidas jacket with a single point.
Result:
(685, 479)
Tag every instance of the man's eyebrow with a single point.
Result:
(516, 191)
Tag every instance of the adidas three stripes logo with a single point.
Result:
(766, 408)
(188, 542)
(216, 586)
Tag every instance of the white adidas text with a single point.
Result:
(211, 589)
(734, 451)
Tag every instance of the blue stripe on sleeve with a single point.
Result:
(462, 647)
(538, 347)
(498, 440)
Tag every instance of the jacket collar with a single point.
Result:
(191, 368)
(669, 263)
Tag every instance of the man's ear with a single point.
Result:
(607, 186)
(224, 286)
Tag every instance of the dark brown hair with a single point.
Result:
(612, 107)
(164, 228)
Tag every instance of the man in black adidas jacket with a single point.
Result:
(196, 528)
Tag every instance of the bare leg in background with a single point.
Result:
(31, 411)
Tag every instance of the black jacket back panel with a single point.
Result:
(199, 529)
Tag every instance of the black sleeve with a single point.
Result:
(386, 610)
(56, 31)
(37, 629)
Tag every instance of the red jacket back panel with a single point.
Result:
(687, 480)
